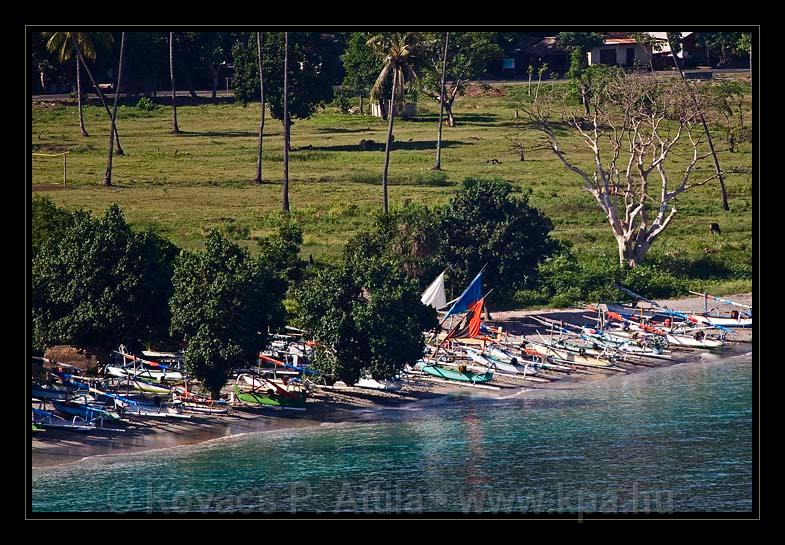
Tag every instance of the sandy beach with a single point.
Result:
(53, 448)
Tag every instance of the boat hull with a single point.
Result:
(743, 323)
(294, 403)
(457, 375)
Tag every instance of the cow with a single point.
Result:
(715, 228)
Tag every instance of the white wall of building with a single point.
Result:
(641, 55)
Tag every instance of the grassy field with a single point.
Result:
(184, 184)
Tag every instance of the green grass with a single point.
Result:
(184, 184)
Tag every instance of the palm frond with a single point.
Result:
(376, 90)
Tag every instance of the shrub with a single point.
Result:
(433, 179)
(146, 104)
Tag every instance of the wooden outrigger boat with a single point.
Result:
(461, 374)
(734, 319)
(149, 388)
(49, 420)
(47, 392)
(84, 410)
(277, 395)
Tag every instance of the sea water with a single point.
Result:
(669, 440)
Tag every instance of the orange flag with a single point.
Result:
(476, 320)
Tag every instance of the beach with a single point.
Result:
(337, 405)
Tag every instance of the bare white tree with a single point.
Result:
(635, 129)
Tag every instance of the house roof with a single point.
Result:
(614, 41)
(663, 47)
(544, 47)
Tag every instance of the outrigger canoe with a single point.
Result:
(722, 321)
(294, 402)
(85, 411)
(457, 374)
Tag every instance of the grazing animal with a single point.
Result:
(715, 228)
(493, 161)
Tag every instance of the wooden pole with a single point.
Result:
(438, 165)
(65, 168)
(717, 168)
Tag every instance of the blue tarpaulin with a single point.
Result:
(470, 295)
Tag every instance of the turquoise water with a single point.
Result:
(670, 440)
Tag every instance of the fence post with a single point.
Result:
(65, 167)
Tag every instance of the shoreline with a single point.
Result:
(345, 405)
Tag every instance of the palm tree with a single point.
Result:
(113, 129)
(438, 165)
(285, 186)
(175, 127)
(64, 45)
(259, 43)
(396, 50)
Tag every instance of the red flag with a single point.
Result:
(476, 319)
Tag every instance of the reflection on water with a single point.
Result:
(675, 439)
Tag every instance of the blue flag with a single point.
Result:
(470, 295)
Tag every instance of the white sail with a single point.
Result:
(434, 295)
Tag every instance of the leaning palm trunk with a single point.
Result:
(119, 150)
(717, 168)
(113, 129)
(438, 165)
(259, 42)
(391, 115)
(175, 126)
(285, 186)
(79, 99)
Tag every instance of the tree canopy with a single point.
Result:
(468, 55)
(308, 89)
(99, 283)
(486, 225)
(223, 303)
(584, 41)
(47, 221)
(483, 225)
(361, 65)
(366, 318)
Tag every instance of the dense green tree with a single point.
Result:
(308, 90)
(213, 50)
(47, 220)
(468, 54)
(728, 43)
(361, 66)
(486, 225)
(99, 283)
(282, 251)
(409, 234)
(366, 318)
(223, 303)
(584, 41)
(147, 62)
